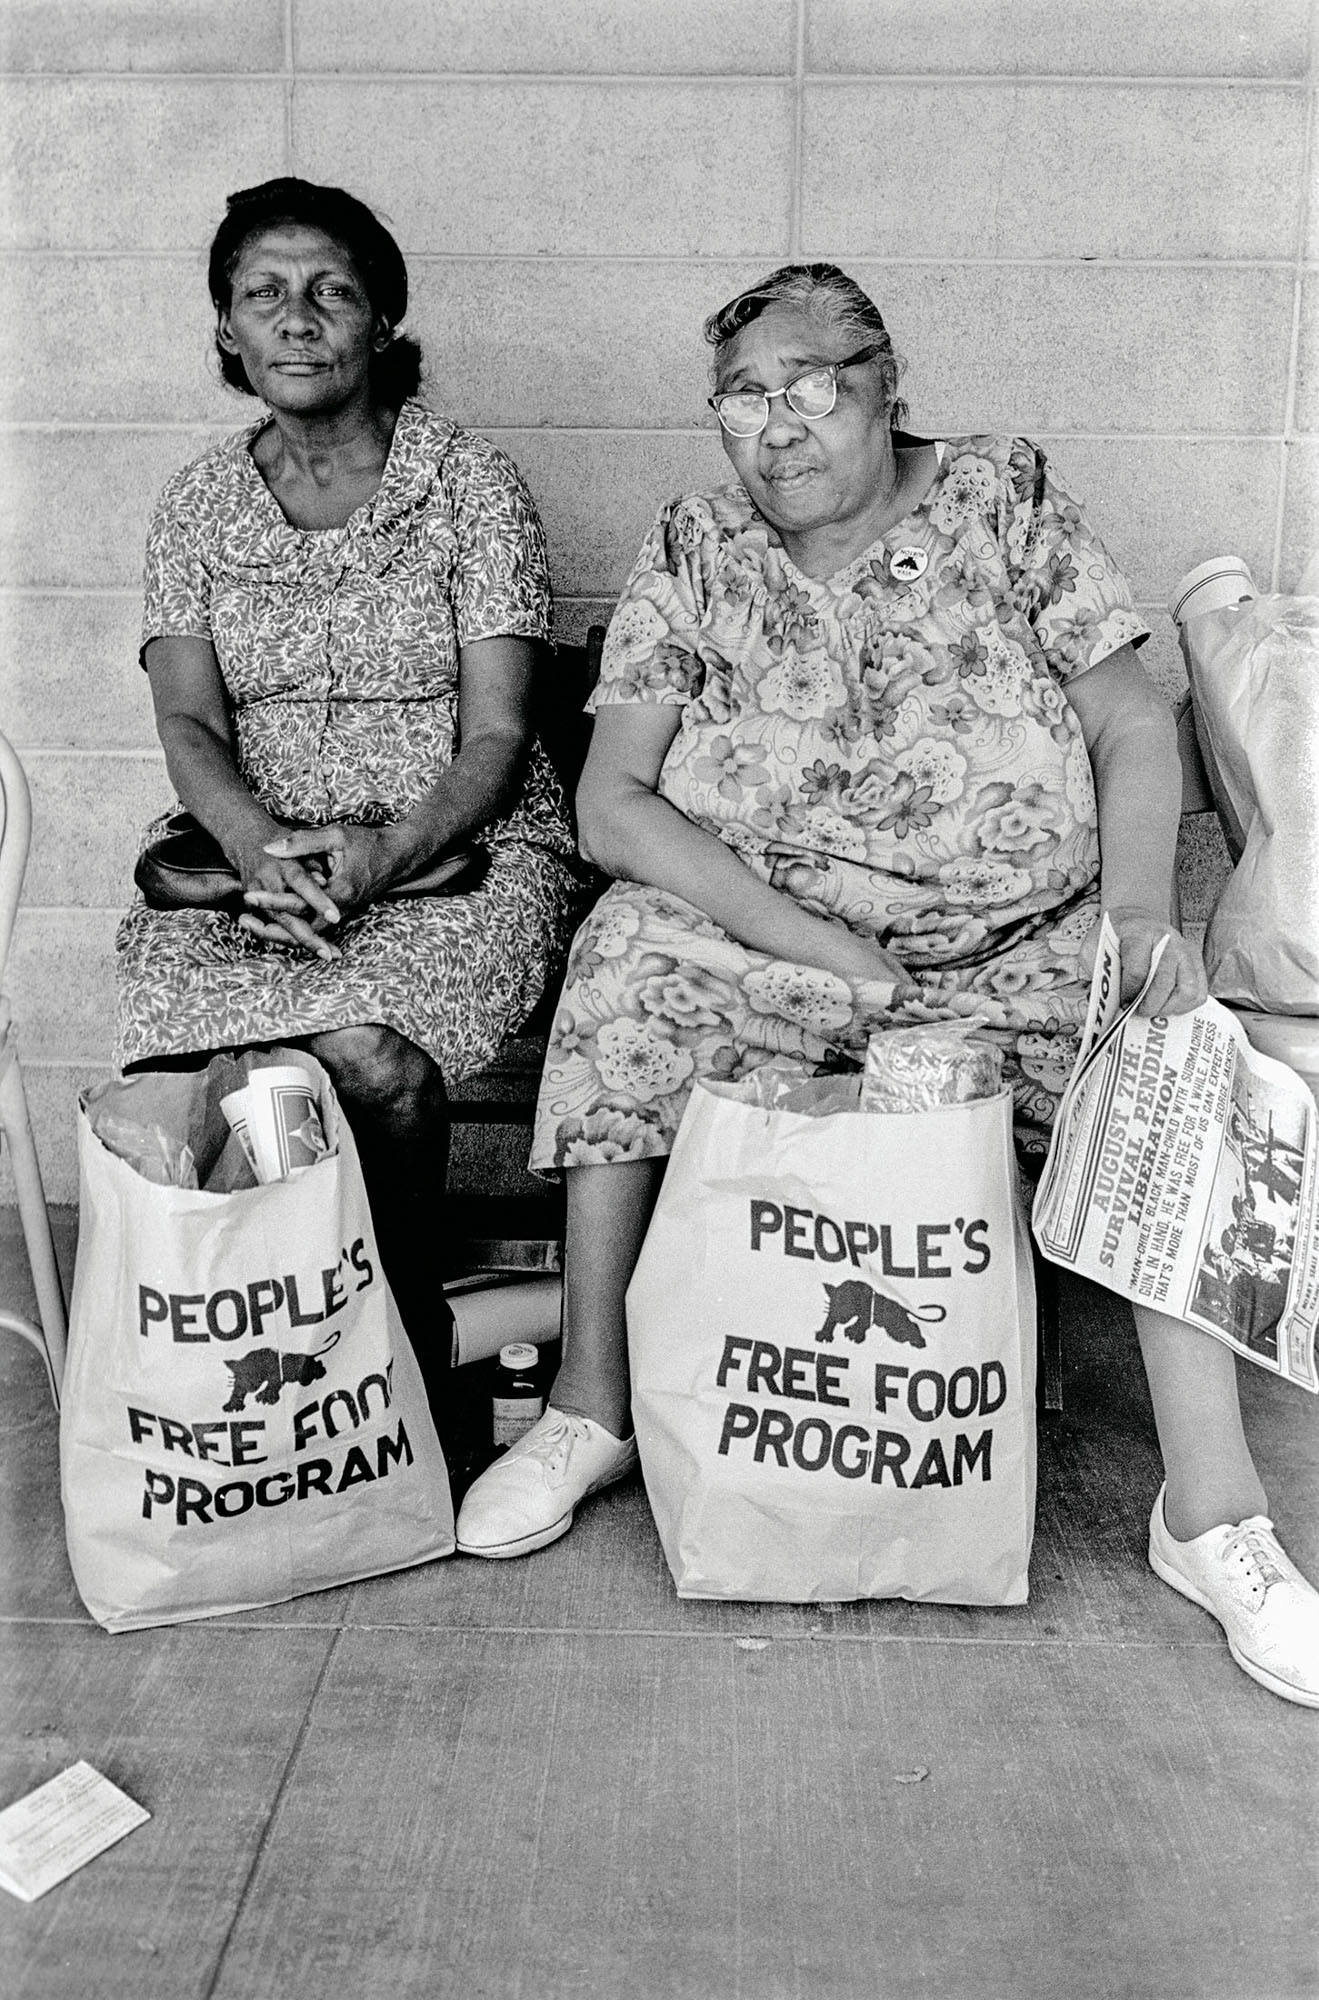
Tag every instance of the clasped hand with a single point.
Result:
(309, 880)
(1178, 986)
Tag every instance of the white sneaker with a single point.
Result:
(1243, 1576)
(527, 1497)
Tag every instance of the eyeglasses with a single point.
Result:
(745, 412)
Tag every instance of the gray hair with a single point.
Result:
(830, 297)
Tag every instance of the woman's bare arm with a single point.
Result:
(192, 721)
(1132, 740)
(632, 833)
(494, 738)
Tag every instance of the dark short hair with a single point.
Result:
(395, 369)
(829, 295)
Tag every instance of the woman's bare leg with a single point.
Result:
(1193, 1386)
(528, 1497)
(394, 1099)
(1200, 1542)
(609, 1210)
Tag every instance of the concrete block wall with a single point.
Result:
(1088, 220)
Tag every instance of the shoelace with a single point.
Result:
(1254, 1547)
(555, 1443)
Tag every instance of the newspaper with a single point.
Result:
(1182, 1175)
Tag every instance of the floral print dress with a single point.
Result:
(893, 747)
(339, 650)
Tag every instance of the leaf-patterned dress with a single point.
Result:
(339, 650)
(894, 747)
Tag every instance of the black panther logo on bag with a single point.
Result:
(264, 1371)
(854, 1306)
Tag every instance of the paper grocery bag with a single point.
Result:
(832, 1338)
(243, 1418)
(1254, 673)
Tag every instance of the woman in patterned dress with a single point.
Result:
(867, 724)
(342, 607)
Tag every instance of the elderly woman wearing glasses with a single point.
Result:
(869, 717)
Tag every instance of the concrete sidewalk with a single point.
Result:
(550, 1778)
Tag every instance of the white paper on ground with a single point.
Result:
(60, 1827)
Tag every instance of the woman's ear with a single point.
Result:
(223, 336)
(382, 336)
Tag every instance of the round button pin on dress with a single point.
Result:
(906, 564)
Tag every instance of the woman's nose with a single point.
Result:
(783, 425)
(298, 317)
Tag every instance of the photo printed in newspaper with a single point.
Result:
(1182, 1175)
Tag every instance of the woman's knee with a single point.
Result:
(378, 1069)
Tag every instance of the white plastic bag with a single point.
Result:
(832, 1337)
(1254, 671)
(243, 1418)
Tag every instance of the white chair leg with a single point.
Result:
(47, 1283)
(32, 1334)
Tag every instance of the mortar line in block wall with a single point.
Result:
(201, 427)
(1011, 79)
(676, 79)
(1284, 453)
(8, 590)
(31, 913)
(798, 124)
(83, 754)
(95, 1066)
(188, 253)
(62, 1062)
(1072, 261)
(1305, 198)
(290, 66)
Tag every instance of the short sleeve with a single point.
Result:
(650, 648)
(1073, 593)
(176, 579)
(501, 580)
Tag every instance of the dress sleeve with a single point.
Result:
(176, 580)
(501, 579)
(1073, 593)
(650, 648)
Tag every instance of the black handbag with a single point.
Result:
(185, 868)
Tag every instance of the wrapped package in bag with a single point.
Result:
(243, 1418)
(1254, 673)
(832, 1338)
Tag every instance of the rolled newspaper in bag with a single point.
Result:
(1211, 586)
(278, 1121)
